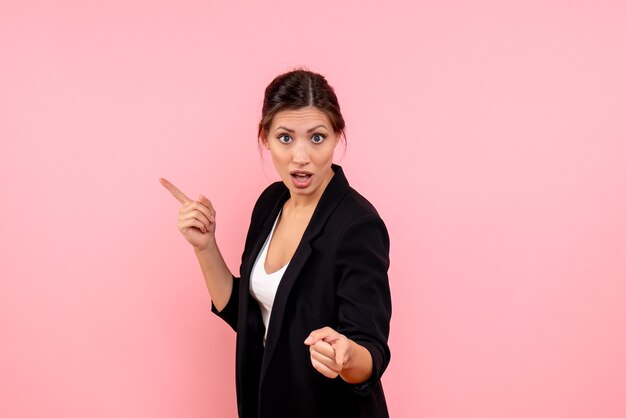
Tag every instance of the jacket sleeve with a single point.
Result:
(230, 313)
(364, 297)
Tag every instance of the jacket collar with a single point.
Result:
(335, 189)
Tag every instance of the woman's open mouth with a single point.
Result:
(301, 179)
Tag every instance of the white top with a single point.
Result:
(263, 286)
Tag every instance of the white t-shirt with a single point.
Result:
(263, 286)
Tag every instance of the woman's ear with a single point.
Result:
(263, 140)
(338, 136)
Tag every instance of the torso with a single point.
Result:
(308, 300)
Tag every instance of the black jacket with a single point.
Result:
(337, 278)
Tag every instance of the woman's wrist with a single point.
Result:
(208, 248)
(358, 367)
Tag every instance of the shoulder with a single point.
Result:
(355, 207)
(355, 219)
(358, 204)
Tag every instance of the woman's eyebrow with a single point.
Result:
(308, 131)
(315, 127)
(286, 129)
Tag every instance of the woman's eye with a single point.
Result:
(284, 138)
(318, 138)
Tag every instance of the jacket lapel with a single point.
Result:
(250, 323)
(335, 190)
(257, 240)
(261, 235)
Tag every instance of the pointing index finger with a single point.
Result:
(180, 196)
(327, 334)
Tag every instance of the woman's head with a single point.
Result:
(298, 89)
(301, 125)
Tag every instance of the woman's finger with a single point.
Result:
(196, 214)
(324, 357)
(326, 333)
(320, 367)
(180, 196)
(326, 361)
(193, 205)
(205, 201)
(324, 348)
(192, 223)
(325, 354)
(341, 347)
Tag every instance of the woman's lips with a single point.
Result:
(301, 179)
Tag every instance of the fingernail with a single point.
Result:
(308, 340)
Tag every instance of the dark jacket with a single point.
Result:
(337, 278)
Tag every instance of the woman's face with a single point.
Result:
(302, 142)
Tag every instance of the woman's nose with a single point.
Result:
(300, 153)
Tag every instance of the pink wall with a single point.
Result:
(490, 135)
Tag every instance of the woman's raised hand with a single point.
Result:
(196, 219)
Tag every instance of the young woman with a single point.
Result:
(312, 305)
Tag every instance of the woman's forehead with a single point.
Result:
(301, 118)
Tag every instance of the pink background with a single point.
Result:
(490, 135)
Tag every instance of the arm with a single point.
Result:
(217, 275)
(196, 221)
(357, 350)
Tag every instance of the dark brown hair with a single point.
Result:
(297, 89)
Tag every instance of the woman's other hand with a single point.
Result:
(196, 219)
(333, 354)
